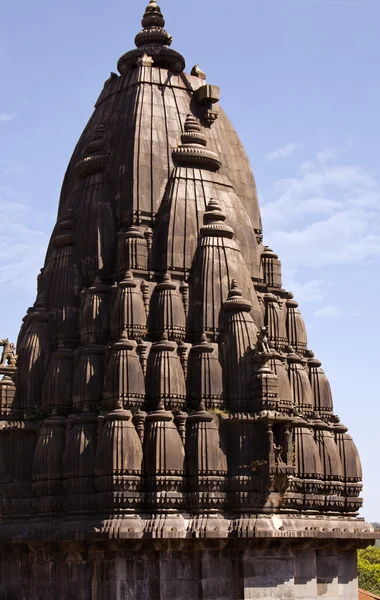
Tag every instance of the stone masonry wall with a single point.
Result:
(194, 571)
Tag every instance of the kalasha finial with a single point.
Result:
(235, 301)
(235, 290)
(153, 16)
(153, 28)
(213, 205)
(214, 222)
(153, 45)
(192, 123)
(192, 152)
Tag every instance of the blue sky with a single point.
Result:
(298, 80)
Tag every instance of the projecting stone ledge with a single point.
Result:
(350, 532)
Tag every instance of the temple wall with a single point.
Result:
(154, 572)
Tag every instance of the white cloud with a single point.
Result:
(7, 117)
(329, 312)
(22, 244)
(311, 290)
(327, 154)
(328, 214)
(282, 152)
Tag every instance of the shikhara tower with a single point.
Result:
(168, 433)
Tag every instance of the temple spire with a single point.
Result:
(153, 16)
(153, 42)
(153, 28)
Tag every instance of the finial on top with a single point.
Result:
(153, 16)
(192, 152)
(213, 212)
(235, 301)
(192, 123)
(214, 222)
(213, 205)
(153, 28)
(153, 45)
(166, 283)
(235, 290)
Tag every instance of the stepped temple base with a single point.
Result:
(173, 558)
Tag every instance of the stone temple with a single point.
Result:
(167, 434)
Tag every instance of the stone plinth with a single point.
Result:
(175, 570)
(174, 557)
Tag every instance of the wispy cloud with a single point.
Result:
(22, 243)
(329, 312)
(10, 167)
(328, 154)
(328, 214)
(309, 290)
(282, 152)
(6, 117)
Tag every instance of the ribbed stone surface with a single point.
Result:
(166, 415)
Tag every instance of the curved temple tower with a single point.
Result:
(170, 435)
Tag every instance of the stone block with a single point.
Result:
(275, 592)
(218, 588)
(270, 568)
(327, 575)
(214, 562)
(305, 574)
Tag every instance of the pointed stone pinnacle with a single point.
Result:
(213, 205)
(192, 123)
(235, 290)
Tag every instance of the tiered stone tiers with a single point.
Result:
(165, 389)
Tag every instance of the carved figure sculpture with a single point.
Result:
(190, 475)
(8, 357)
(262, 345)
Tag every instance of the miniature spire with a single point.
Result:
(193, 152)
(166, 311)
(214, 222)
(239, 342)
(235, 301)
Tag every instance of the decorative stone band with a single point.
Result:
(162, 56)
(91, 164)
(349, 532)
(193, 134)
(190, 156)
(153, 35)
(217, 229)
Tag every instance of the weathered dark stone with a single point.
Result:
(165, 432)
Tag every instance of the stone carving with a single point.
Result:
(165, 401)
(278, 451)
(262, 344)
(8, 356)
(197, 72)
(208, 96)
(145, 61)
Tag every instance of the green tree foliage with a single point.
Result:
(369, 569)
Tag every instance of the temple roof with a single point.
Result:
(163, 359)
